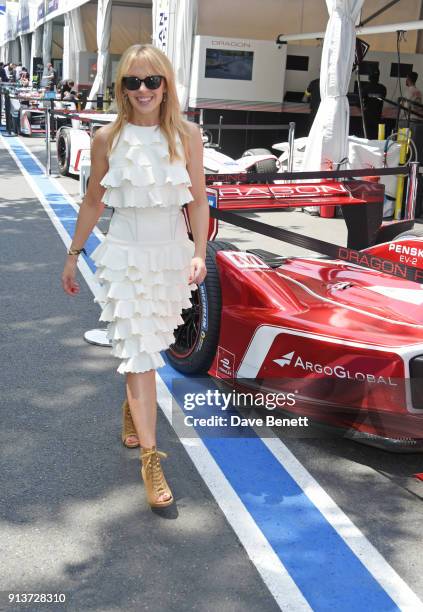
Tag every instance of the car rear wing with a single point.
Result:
(361, 200)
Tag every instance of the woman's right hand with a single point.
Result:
(70, 285)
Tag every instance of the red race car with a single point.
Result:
(343, 332)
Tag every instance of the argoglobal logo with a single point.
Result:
(339, 371)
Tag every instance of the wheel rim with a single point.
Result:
(61, 151)
(187, 334)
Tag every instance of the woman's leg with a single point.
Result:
(141, 393)
(142, 398)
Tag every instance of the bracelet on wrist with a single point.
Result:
(72, 251)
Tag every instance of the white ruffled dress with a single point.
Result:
(143, 264)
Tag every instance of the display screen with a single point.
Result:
(228, 64)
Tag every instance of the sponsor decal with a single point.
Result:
(41, 11)
(283, 191)
(204, 306)
(200, 341)
(212, 199)
(408, 255)
(53, 5)
(245, 261)
(376, 263)
(225, 362)
(204, 316)
(338, 371)
(285, 360)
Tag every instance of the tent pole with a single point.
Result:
(379, 12)
(363, 119)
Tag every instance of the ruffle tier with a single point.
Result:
(127, 195)
(140, 172)
(143, 290)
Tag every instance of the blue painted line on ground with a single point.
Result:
(327, 572)
(324, 568)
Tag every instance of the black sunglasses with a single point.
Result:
(151, 82)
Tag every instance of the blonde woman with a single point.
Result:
(146, 165)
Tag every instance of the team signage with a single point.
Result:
(48, 9)
(27, 16)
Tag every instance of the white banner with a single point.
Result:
(2, 25)
(12, 8)
(174, 28)
(27, 16)
(161, 18)
(48, 9)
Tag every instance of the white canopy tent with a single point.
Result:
(328, 139)
(36, 46)
(47, 42)
(25, 50)
(73, 44)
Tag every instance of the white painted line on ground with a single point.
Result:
(273, 572)
(392, 583)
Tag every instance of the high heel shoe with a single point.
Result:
(128, 429)
(154, 479)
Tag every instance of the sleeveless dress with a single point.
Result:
(143, 264)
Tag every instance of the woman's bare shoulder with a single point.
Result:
(192, 128)
(102, 134)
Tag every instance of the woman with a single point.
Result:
(146, 165)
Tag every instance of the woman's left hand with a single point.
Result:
(198, 270)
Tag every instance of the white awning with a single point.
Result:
(104, 26)
(328, 138)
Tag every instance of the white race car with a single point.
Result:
(73, 152)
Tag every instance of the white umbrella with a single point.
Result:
(328, 138)
(104, 26)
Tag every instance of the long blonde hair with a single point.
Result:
(171, 120)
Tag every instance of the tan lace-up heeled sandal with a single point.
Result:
(154, 479)
(128, 429)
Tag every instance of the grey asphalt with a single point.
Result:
(75, 518)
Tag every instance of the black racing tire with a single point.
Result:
(416, 232)
(266, 165)
(196, 340)
(63, 149)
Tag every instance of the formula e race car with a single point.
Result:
(344, 332)
(73, 150)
